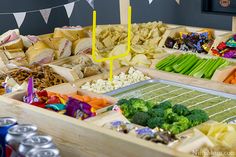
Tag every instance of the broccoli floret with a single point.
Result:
(156, 112)
(149, 104)
(155, 122)
(127, 110)
(164, 105)
(165, 126)
(179, 126)
(198, 111)
(140, 118)
(123, 101)
(175, 129)
(181, 110)
(197, 117)
(139, 104)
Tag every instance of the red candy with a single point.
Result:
(215, 52)
(222, 46)
(53, 100)
(39, 104)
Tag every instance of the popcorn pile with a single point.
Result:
(119, 81)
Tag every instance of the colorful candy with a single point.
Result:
(226, 49)
(200, 42)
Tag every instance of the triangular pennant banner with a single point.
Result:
(91, 3)
(150, 1)
(178, 1)
(45, 14)
(69, 8)
(19, 17)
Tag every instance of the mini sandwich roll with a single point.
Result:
(39, 53)
(70, 33)
(83, 45)
(11, 40)
(14, 53)
(61, 46)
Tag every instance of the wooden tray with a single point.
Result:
(157, 74)
(69, 74)
(78, 138)
(222, 73)
(172, 32)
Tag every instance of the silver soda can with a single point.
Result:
(39, 152)
(5, 124)
(36, 141)
(15, 135)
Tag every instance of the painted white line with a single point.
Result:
(153, 90)
(134, 91)
(202, 102)
(222, 111)
(164, 94)
(179, 95)
(228, 119)
(192, 98)
(216, 104)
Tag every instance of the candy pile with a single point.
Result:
(226, 49)
(57, 102)
(200, 42)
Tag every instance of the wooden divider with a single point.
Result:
(76, 138)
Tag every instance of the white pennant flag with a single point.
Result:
(19, 17)
(150, 1)
(45, 14)
(178, 1)
(91, 3)
(69, 8)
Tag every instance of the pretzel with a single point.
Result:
(43, 76)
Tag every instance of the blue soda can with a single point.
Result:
(5, 124)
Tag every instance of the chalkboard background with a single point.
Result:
(168, 11)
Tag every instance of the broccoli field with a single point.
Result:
(218, 108)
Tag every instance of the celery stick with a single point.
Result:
(169, 67)
(198, 67)
(210, 67)
(200, 73)
(193, 67)
(220, 63)
(170, 63)
(182, 64)
(165, 60)
(189, 64)
(181, 58)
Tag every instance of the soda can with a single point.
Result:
(15, 135)
(39, 152)
(5, 124)
(36, 141)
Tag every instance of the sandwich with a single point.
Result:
(83, 45)
(61, 46)
(71, 33)
(14, 53)
(39, 53)
(29, 40)
(11, 40)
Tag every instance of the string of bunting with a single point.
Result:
(69, 7)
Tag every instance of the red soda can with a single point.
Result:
(5, 124)
(36, 141)
(15, 135)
